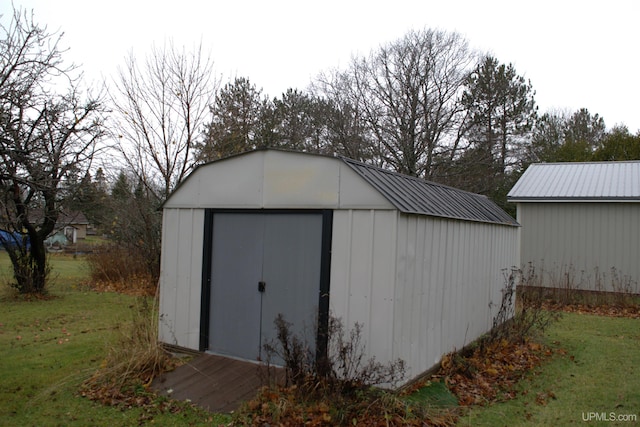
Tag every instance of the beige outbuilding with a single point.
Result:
(581, 224)
(417, 264)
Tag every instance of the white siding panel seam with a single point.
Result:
(349, 263)
(393, 261)
(370, 278)
(195, 282)
(170, 271)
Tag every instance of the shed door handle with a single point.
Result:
(261, 286)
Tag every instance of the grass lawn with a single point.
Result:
(49, 347)
(598, 376)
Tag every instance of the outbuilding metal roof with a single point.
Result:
(417, 196)
(618, 181)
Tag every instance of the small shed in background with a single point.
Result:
(581, 224)
(417, 264)
(74, 224)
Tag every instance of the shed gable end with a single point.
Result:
(273, 179)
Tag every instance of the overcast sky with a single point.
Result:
(576, 53)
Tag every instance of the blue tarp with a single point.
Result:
(15, 239)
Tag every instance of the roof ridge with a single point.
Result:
(597, 162)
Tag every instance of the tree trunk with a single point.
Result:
(29, 262)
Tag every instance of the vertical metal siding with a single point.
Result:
(421, 286)
(180, 277)
(362, 275)
(168, 276)
(583, 239)
(449, 278)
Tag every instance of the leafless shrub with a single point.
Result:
(517, 322)
(293, 350)
(115, 268)
(336, 391)
(347, 368)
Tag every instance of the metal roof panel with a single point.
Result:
(579, 181)
(417, 196)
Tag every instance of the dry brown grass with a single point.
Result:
(133, 361)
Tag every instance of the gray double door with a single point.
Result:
(263, 264)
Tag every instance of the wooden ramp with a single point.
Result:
(216, 383)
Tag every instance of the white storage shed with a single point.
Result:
(581, 224)
(419, 265)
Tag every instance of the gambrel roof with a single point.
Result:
(579, 181)
(277, 179)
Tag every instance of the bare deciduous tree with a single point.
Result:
(47, 143)
(347, 132)
(407, 93)
(163, 105)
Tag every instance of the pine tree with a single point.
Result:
(503, 111)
